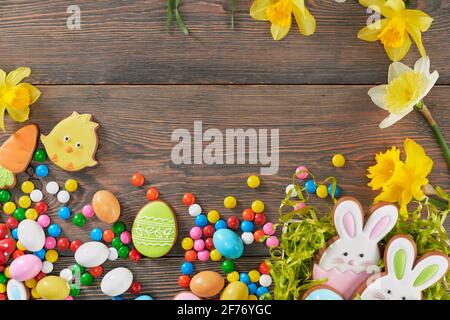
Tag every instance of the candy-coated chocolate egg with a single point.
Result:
(207, 284)
(116, 282)
(31, 235)
(16, 290)
(186, 295)
(144, 297)
(322, 294)
(228, 243)
(53, 288)
(25, 267)
(236, 290)
(106, 206)
(91, 254)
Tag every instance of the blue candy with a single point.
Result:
(221, 224)
(311, 186)
(201, 221)
(228, 243)
(42, 170)
(144, 297)
(54, 230)
(64, 213)
(118, 298)
(187, 268)
(243, 277)
(247, 226)
(40, 254)
(96, 234)
(14, 234)
(337, 191)
(261, 291)
(252, 287)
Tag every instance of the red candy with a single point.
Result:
(258, 234)
(12, 223)
(209, 244)
(74, 245)
(190, 255)
(41, 207)
(40, 276)
(260, 219)
(248, 214)
(264, 268)
(134, 255)
(3, 231)
(63, 244)
(233, 223)
(137, 179)
(188, 199)
(108, 235)
(135, 287)
(208, 231)
(184, 281)
(17, 253)
(152, 194)
(2, 296)
(96, 271)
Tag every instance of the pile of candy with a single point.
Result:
(213, 238)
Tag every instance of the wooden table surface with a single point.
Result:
(141, 83)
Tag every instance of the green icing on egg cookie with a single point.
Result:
(7, 178)
(154, 229)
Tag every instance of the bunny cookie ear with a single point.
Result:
(382, 219)
(430, 268)
(400, 255)
(348, 217)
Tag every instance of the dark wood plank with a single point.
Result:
(315, 122)
(126, 42)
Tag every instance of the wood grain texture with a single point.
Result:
(125, 42)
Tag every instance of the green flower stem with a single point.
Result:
(233, 11)
(171, 6)
(423, 109)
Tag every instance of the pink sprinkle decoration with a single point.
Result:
(203, 255)
(199, 245)
(196, 233)
(299, 205)
(50, 243)
(44, 220)
(269, 229)
(125, 237)
(302, 172)
(88, 211)
(272, 242)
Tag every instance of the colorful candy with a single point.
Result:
(338, 160)
(230, 202)
(228, 243)
(137, 179)
(253, 182)
(188, 199)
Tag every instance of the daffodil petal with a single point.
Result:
(16, 76)
(378, 6)
(417, 37)
(396, 5)
(2, 77)
(417, 191)
(19, 115)
(418, 19)
(405, 198)
(416, 159)
(423, 65)
(396, 69)
(391, 119)
(279, 32)
(305, 21)
(2, 117)
(377, 95)
(389, 194)
(258, 10)
(35, 93)
(370, 33)
(397, 54)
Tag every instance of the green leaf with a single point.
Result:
(179, 19)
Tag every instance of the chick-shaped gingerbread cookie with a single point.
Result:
(73, 142)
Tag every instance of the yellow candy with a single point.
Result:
(27, 187)
(338, 160)
(35, 294)
(2, 288)
(233, 276)
(258, 206)
(322, 191)
(9, 207)
(20, 246)
(51, 256)
(252, 297)
(213, 216)
(215, 255)
(71, 185)
(31, 214)
(254, 275)
(53, 288)
(30, 283)
(6, 273)
(230, 202)
(24, 202)
(253, 182)
(187, 243)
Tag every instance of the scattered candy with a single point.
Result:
(290, 189)
(36, 195)
(213, 216)
(258, 206)
(230, 202)
(27, 187)
(338, 160)
(188, 199)
(310, 186)
(52, 187)
(64, 213)
(88, 211)
(137, 179)
(302, 172)
(71, 185)
(152, 194)
(40, 155)
(247, 238)
(253, 182)
(322, 191)
(337, 191)
(195, 210)
(42, 171)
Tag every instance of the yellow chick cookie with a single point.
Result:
(72, 143)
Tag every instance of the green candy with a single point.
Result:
(79, 220)
(123, 252)
(74, 290)
(77, 269)
(118, 228)
(86, 279)
(5, 196)
(19, 214)
(3, 278)
(116, 243)
(228, 266)
(40, 155)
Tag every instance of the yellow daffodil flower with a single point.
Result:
(279, 13)
(384, 169)
(16, 97)
(395, 29)
(407, 179)
(405, 89)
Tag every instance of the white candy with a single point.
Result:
(91, 254)
(52, 187)
(47, 267)
(113, 254)
(31, 235)
(63, 196)
(36, 195)
(289, 188)
(16, 290)
(116, 282)
(66, 274)
(195, 210)
(247, 238)
(265, 280)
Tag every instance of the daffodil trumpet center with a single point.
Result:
(17, 97)
(280, 13)
(394, 33)
(403, 91)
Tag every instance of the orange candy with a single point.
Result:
(190, 255)
(108, 235)
(96, 271)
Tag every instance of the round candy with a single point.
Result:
(24, 202)
(236, 290)
(337, 191)
(301, 172)
(36, 195)
(40, 254)
(50, 243)
(338, 160)
(208, 231)
(230, 202)
(63, 244)
(27, 187)
(53, 288)
(86, 279)
(258, 206)
(135, 287)
(184, 281)
(260, 219)
(116, 282)
(54, 230)
(209, 243)
(190, 255)
(96, 271)
(261, 291)
(201, 221)
(144, 297)
(79, 220)
(228, 243)
(290, 189)
(108, 235)
(64, 213)
(88, 211)
(228, 266)
(299, 205)
(187, 268)
(75, 245)
(40, 155)
(247, 226)
(52, 187)
(195, 210)
(272, 242)
(113, 254)
(248, 214)
(134, 255)
(322, 191)
(233, 276)
(254, 276)
(269, 228)
(125, 237)
(188, 199)
(247, 238)
(41, 207)
(118, 227)
(196, 233)
(137, 179)
(66, 274)
(5, 196)
(258, 235)
(253, 182)
(71, 185)
(106, 206)
(96, 234)
(233, 222)
(310, 186)
(31, 214)
(9, 207)
(221, 224)
(63, 196)
(187, 243)
(19, 214)
(215, 255)
(265, 280)
(213, 216)
(42, 171)
(51, 255)
(243, 277)
(199, 245)
(252, 289)
(44, 220)
(203, 255)
(152, 194)
(123, 252)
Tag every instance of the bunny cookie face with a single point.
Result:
(403, 280)
(356, 248)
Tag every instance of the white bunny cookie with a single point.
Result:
(404, 279)
(349, 258)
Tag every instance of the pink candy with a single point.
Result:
(302, 172)
(196, 233)
(44, 220)
(125, 237)
(269, 229)
(272, 242)
(50, 243)
(199, 245)
(88, 211)
(69, 298)
(203, 255)
(299, 205)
